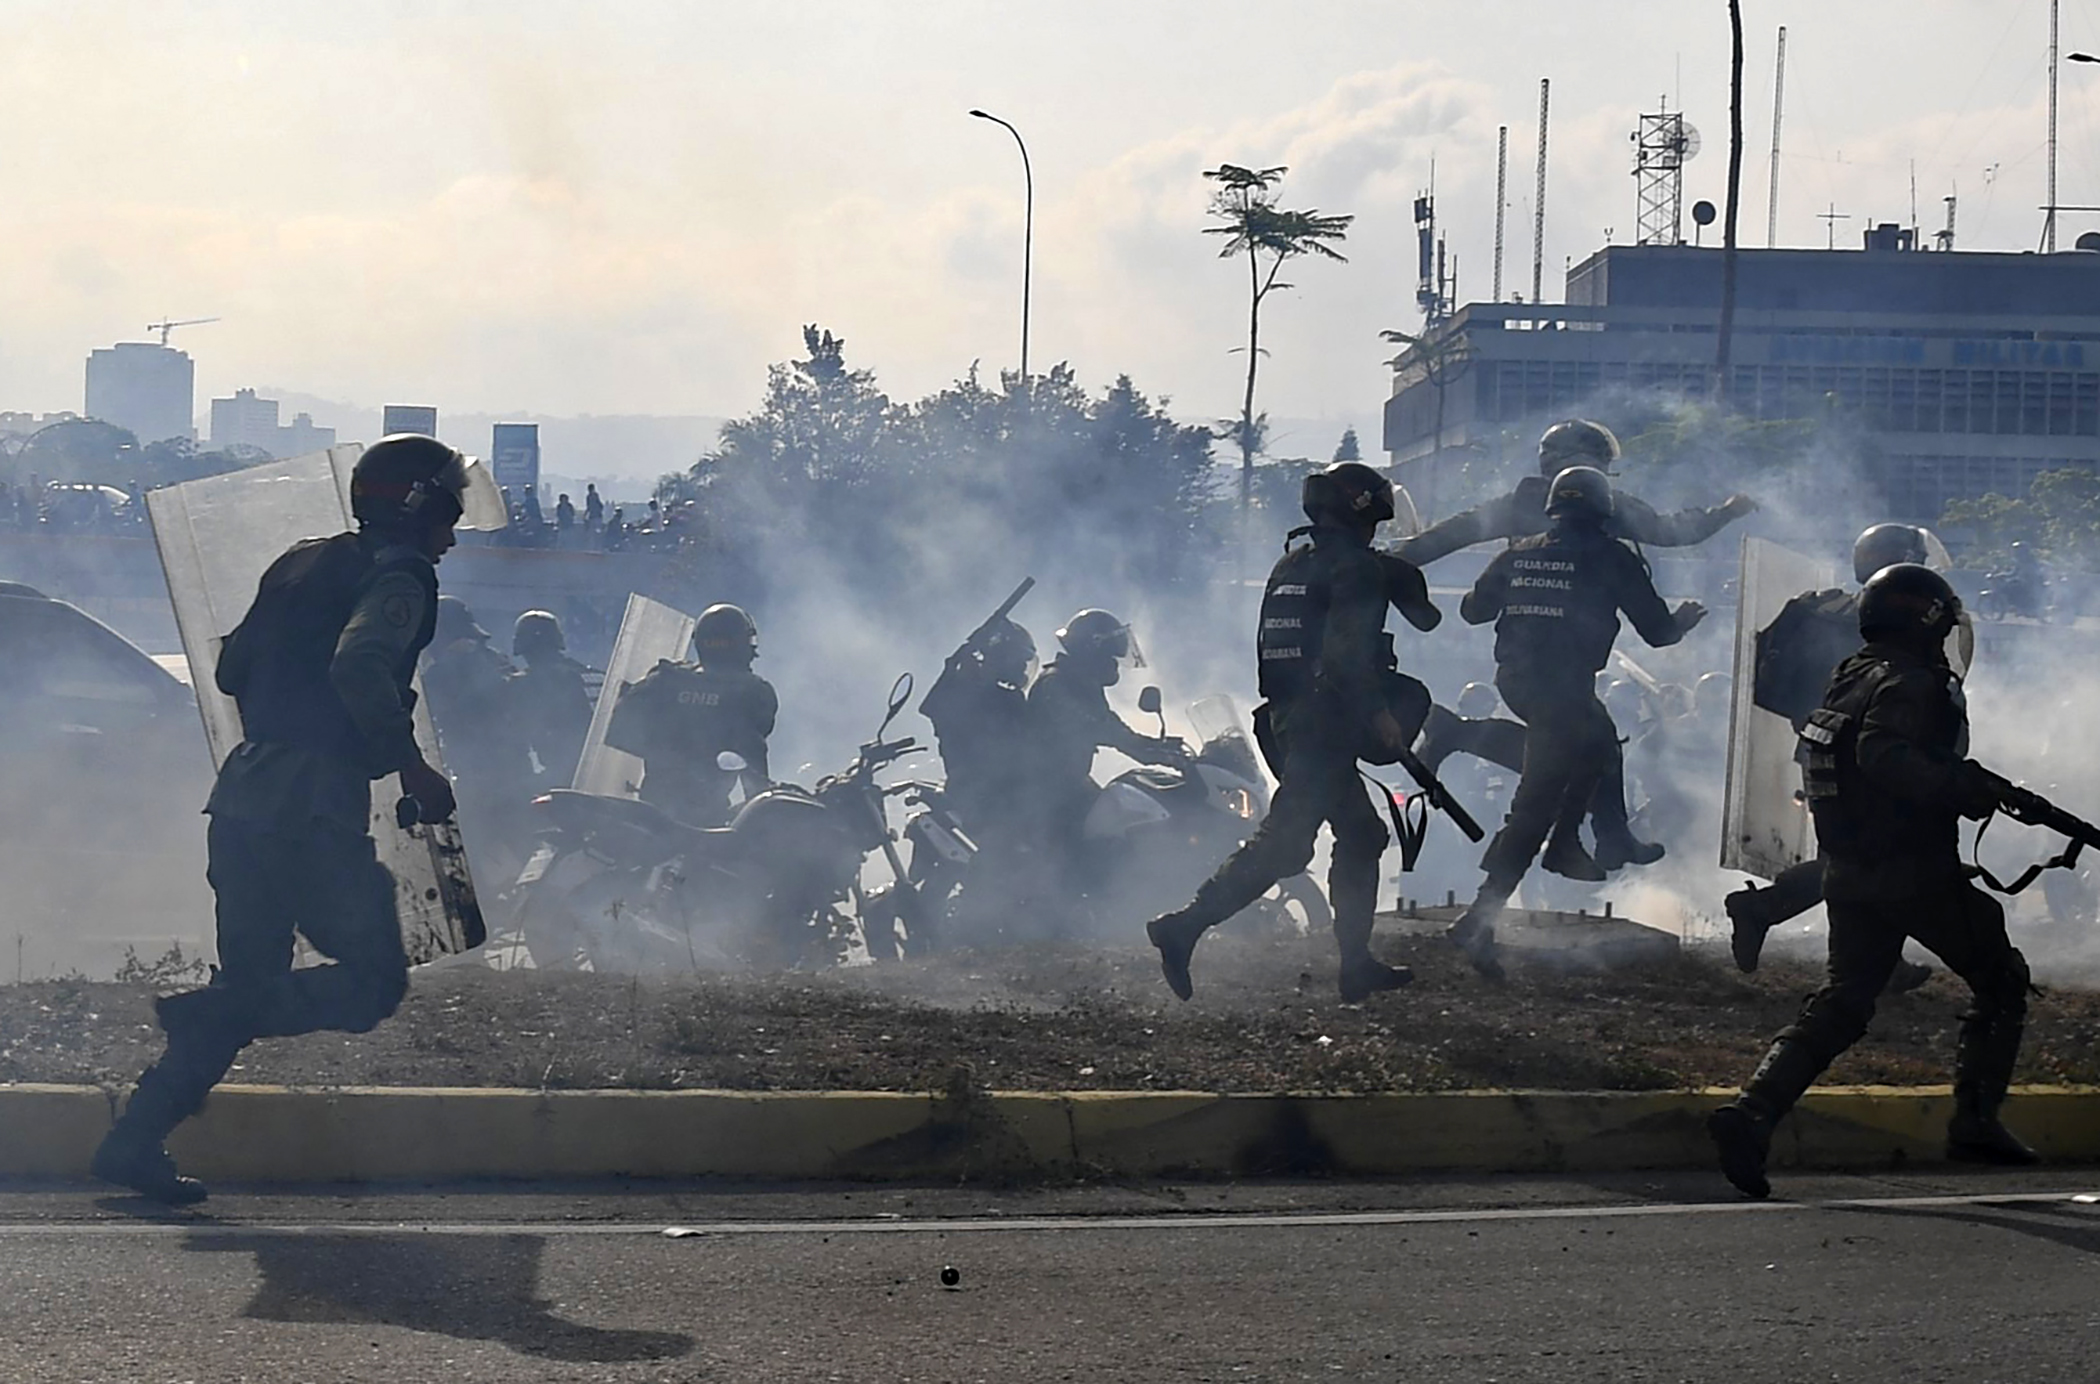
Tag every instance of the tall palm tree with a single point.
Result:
(1245, 207)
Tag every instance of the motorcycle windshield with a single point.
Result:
(216, 536)
(650, 632)
(1213, 717)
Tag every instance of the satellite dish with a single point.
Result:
(2089, 241)
(1687, 140)
(1703, 213)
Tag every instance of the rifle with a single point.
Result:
(1439, 796)
(1006, 608)
(2032, 809)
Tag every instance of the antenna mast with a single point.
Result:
(1501, 202)
(1778, 111)
(1538, 206)
(2049, 215)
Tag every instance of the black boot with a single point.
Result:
(1474, 932)
(1908, 976)
(1618, 849)
(1742, 1136)
(132, 1153)
(1747, 926)
(1565, 857)
(1983, 1066)
(1176, 934)
(1365, 976)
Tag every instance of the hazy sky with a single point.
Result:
(632, 207)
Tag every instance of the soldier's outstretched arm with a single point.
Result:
(1480, 524)
(1408, 591)
(1652, 618)
(1638, 520)
(1490, 593)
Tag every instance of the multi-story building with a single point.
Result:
(145, 389)
(250, 421)
(1966, 373)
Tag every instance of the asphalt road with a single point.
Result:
(1918, 1278)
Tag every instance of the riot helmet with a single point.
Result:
(1349, 494)
(1885, 545)
(1908, 603)
(455, 621)
(409, 482)
(1577, 442)
(1100, 642)
(1008, 653)
(537, 634)
(1582, 493)
(724, 634)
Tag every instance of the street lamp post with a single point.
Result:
(1027, 232)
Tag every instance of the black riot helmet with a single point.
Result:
(1581, 493)
(407, 482)
(1577, 442)
(537, 634)
(1099, 642)
(455, 621)
(1908, 603)
(724, 634)
(1008, 652)
(1885, 545)
(1348, 494)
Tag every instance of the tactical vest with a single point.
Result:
(1854, 818)
(1798, 651)
(684, 714)
(1294, 608)
(275, 664)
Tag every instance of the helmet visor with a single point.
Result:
(1132, 650)
(480, 498)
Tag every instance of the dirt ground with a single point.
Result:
(1265, 1018)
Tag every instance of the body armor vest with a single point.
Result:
(1294, 617)
(275, 664)
(1855, 818)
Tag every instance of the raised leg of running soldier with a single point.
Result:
(1493, 739)
(1282, 845)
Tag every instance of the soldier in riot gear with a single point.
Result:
(1522, 512)
(681, 717)
(1796, 655)
(1069, 718)
(548, 698)
(979, 711)
(320, 668)
(1888, 782)
(1555, 599)
(467, 680)
(1333, 696)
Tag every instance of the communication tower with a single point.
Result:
(1661, 145)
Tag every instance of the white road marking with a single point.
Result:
(180, 1224)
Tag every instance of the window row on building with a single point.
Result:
(2025, 403)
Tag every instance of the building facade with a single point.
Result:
(250, 421)
(1966, 373)
(147, 390)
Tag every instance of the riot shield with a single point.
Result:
(1765, 827)
(216, 536)
(650, 632)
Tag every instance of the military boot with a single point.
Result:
(1176, 935)
(1365, 976)
(1983, 1066)
(133, 1155)
(1474, 932)
(1742, 1129)
(1616, 849)
(1747, 926)
(1565, 857)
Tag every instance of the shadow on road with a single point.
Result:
(472, 1287)
(2073, 1228)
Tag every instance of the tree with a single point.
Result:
(2059, 517)
(1348, 449)
(1253, 225)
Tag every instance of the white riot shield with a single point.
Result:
(216, 536)
(650, 632)
(1765, 826)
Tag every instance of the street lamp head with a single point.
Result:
(2080, 57)
(986, 115)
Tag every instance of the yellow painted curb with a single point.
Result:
(261, 1133)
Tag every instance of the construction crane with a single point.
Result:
(168, 326)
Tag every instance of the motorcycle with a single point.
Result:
(1158, 831)
(620, 885)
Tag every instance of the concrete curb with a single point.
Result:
(264, 1133)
